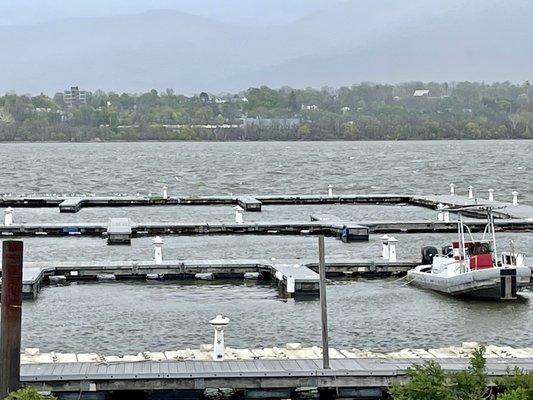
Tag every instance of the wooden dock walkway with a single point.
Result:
(268, 378)
(254, 202)
(294, 277)
(360, 230)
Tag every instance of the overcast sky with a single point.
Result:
(251, 12)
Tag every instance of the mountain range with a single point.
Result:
(345, 43)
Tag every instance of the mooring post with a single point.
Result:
(219, 323)
(440, 214)
(330, 190)
(323, 301)
(165, 192)
(392, 249)
(239, 218)
(158, 250)
(491, 194)
(452, 189)
(446, 213)
(470, 192)
(515, 198)
(8, 216)
(11, 312)
(385, 247)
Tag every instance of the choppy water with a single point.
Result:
(130, 317)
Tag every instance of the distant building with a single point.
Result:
(270, 123)
(421, 93)
(75, 97)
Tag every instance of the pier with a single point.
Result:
(256, 373)
(294, 277)
(507, 210)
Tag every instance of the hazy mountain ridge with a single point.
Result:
(359, 40)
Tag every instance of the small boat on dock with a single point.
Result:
(472, 268)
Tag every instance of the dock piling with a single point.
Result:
(452, 189)
(323, 302)
(491, 194)
(11, 316)
(515, 198)
(165, 192)
(330, 191)
(470, 192)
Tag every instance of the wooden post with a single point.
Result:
(11, 310)
(323, 302)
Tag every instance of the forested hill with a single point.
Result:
(361, 112)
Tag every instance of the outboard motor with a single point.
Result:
(447, 251)
(428, 253)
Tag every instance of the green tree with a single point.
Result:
(27, 394)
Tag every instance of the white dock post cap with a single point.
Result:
(515, 198)
(452, 188)
(158, 240)
(470, 192)
(165, 192)
(392, 249)
(330, 190)
(219, 321)
(384, 238)
(8, 216)
(239, 217)
(491, 194)
(446, 213)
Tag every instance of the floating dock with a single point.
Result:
(254, 373)
(254, 203)
(357, 230)
(294, 277)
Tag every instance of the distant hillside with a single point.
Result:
(359, 40)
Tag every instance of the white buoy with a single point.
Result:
(452, 189)
(392, 249)
(470, 192)
(491, 194)
(158, 250)
(8, 216)
(165, 192)
(330, 191)
(440, 214)
(239, 216)
(385, 250)
(515, 198)
(219, 323)
(446, 213)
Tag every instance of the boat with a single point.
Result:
(472, 268)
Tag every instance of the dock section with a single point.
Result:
(294, 277)
(119, 231)
(253, 373)
(249, 203)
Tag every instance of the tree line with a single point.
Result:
(366, 111)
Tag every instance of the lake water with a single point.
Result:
(380, 314)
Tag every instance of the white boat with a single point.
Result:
(472, 267)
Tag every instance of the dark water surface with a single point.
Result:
(380, 314)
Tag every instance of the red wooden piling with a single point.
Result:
(11, 313)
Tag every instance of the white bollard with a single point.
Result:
(452, 189)
(8, 216)
(165, 192)
(392, 249)
(491, 194)
(330, 191)
(158, 250)
(239, 217)
(219, 323)
(291, 285)
(385, 250)
(446, 214)
(440, 214)
(515, 198)
(470, 192)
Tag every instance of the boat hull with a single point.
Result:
(491, 283)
